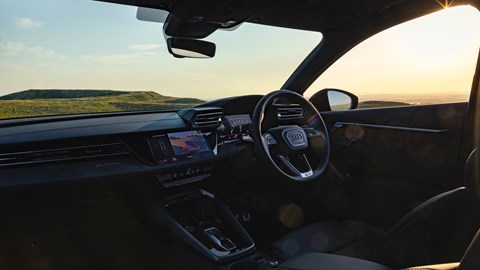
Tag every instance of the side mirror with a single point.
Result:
(334, 100)
(190, 48)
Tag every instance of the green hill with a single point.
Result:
(56, 94)
(379, 104)
(58, 102)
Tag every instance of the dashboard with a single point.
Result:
(177, 148)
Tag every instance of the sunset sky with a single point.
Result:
(72, 44)
(432, 54)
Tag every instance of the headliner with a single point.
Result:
(313, 15)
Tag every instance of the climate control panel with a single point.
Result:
(184, 176)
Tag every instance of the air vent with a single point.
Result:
(113, 149)
(203, 117)
(207, 119)
(291, 111)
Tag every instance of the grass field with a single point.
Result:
(59, 102)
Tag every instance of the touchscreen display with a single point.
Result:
(187, 142)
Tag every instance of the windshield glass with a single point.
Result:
(70, 57)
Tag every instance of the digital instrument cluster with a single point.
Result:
(234, 126)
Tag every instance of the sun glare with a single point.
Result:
(446, 4)
(440, 39)
(432, 54)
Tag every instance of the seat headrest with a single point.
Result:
(471, 173)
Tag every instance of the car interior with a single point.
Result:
(247, 182)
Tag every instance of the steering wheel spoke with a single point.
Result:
(293, 163)
(316, 139)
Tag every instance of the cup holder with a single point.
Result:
(244, 266)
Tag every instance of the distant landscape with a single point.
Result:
(43, 102)
(379, 104)
(417, 98)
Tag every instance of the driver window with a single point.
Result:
(429, 60)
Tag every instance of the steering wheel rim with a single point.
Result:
(283, 134)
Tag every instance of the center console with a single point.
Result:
(204, 223)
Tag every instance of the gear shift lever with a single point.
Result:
(219, 239)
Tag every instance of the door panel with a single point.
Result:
(392, 159)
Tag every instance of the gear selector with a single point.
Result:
(205, 223)
(219, 239)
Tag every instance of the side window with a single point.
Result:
(429, 60)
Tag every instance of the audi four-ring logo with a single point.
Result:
(296, 138)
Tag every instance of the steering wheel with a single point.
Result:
(290, 136)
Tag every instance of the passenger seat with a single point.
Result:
(438, 230)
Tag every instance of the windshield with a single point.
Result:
(71, 57)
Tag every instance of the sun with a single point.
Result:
(447, 3)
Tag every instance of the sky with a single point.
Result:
(434, 54)
(93, 45)
(72, 44)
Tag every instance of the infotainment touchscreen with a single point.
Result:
(187, 142)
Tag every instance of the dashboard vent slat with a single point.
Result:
(202, 117)
(211, 119)
(91, 151)
(287, 112)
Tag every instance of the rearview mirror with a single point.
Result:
(334, 100)
(190, 48)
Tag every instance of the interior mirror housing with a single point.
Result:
(330, 99)
(190, 48)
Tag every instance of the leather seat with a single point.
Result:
(349, 238)
(437, 231)
(313, 261)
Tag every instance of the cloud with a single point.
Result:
(12, 48)
(120, 59)
(28, 23)
(116, 59)
(144, 47)
(149, 53)
(44, 53)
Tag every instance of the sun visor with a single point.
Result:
(152, 15)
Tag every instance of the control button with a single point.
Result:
(189, 228)
(273, 263)
(246, 217)
(164, 177)
(270, 139)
